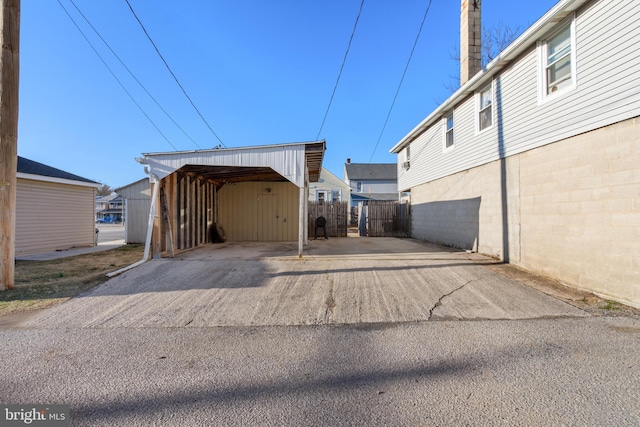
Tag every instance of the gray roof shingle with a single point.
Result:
(35, 168)
(372, 171)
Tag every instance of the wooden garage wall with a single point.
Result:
(187, 213)
(51, 216)
(259, 211)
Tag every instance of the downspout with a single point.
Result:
(152, 214)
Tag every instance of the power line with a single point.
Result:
(131, 73)
(344, 60)
(404, 73)
(114, 76)
(172, 74)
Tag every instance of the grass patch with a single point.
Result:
(611, 305)
(40, 284)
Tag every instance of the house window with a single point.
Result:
(335, 196)
(448, 139)
(359, 186)
(321, 197)
(558, 61)
(407, 158)
(485, 115)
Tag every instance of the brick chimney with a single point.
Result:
(470, 31)
(348, 160)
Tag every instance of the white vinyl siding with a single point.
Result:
(378, 186)
(51, 216)
(331, 184)
(137, 205)
(607, 92)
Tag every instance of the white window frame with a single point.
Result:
(405, 164)
(543, 46)
(447, 131)
(358, 186)
(324, 196)
(481, 109)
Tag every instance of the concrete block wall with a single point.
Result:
(466, 210)
(569, 210)
(580, 201)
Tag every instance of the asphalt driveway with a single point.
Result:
(339, 281)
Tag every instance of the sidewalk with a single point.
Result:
(72, 252)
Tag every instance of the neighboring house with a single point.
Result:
(535, 160)
(329, 188)
(137, 201)
(54, 209)
(371, 181)
(110, 208)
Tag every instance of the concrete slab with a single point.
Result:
(46, 256)
(338, 281)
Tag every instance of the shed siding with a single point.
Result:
(249, 212)
(52, 216)
(288, 161)
(138, 204)
(521, 121)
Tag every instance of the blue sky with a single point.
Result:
(259, 72)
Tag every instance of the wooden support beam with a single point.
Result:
(156, 221)
(301, 222)
(9, 80)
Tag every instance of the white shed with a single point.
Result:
(137, 202)
(54, 209)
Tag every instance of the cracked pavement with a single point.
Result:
(339, 281)
(362, 332)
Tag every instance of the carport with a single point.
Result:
(256, 193)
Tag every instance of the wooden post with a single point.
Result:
(301, 222)
(157, 234)
(9, 80)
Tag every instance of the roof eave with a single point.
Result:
(555, 15)
(250, 147)
(55, 180)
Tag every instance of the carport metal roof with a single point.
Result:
(257, 163)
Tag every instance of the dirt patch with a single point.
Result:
(576, 297)
(41, 284)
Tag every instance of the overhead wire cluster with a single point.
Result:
(119, 81)
(173, 74)
(344, 60)
(179, 84)
(395, 97)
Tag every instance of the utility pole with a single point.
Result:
(9, 80)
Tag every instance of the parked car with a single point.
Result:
(108, 220)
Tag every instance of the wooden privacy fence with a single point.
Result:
(388, 219)
(336, 214)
